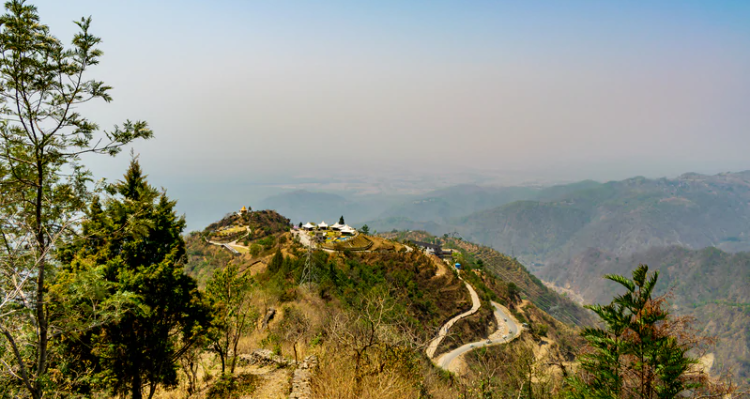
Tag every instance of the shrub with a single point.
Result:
(255, 249)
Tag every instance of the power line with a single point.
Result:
(308, 274)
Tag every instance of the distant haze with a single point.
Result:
(242, 93)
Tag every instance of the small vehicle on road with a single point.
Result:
(489, 341)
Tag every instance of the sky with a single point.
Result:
(244, 93)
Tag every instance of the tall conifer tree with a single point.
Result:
(136, 241)
(636, 355)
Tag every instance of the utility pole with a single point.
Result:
(307, 272)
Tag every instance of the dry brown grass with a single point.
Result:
(382, 244)
(335, 379)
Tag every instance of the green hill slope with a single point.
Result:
(513, 275)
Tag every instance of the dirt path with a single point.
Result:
(274, 383)
(442, 268)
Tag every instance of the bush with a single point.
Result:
(542, 330)
(267, 242)
(255, 249)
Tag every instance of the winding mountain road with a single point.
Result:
(475, 305)
(508, 329)
(497, 338)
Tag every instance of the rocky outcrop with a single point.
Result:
(302, 378)
(264, 357)
(267, 318)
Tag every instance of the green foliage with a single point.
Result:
(636, 355)
(135, 243)
(43, 185)
(255, 249)
(228, 292)
(267, 242)
(365, 229)
(541, 330)
(277, 262)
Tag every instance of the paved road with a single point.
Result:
(475, 304)
(514, 330)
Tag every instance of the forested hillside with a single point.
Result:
(622, 217)
(515, 275)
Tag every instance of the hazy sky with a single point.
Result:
(237, 91)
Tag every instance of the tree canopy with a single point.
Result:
(640, 352)
(135, 240)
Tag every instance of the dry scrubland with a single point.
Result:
(367, 319)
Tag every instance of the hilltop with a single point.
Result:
(409, 293)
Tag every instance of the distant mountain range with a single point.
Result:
(632, 215)
(540, 224)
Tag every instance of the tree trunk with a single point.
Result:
(151, 390)
(294, 346)
(41, 315)
(136, 389)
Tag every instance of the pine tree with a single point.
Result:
(277, 262)
(637, 355)
(136, 238)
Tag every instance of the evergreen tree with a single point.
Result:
(136, 242)
(638, 354)
(341, 220)
(276, 262)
